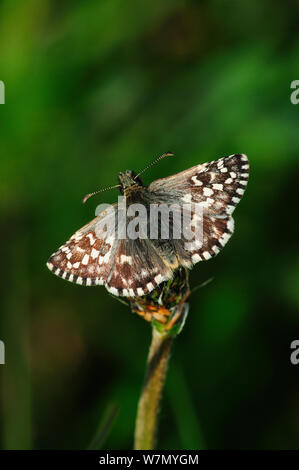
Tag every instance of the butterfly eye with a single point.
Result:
(136, 178)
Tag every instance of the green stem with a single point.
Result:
(149, 402)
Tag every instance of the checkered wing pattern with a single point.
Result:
(132, 268)
(216, 187)
(86, 258)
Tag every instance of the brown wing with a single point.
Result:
(216, 187)
(87, 257)
(138, 269)
(133, 268)
(219, 184)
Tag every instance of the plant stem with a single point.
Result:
(149, 402)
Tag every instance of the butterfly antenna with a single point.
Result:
(203, 284)
(167, 154)
(87, 196)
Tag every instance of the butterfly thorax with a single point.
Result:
(129, 182)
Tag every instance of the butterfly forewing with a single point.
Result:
(86, 258)
(219, 184)
(216, 187)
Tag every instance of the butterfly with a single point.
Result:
(134, 267)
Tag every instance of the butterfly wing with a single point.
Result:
(220, 183)
(87, 257)
(141, 265)
(133, 268)
(216, 187)
(138, 269)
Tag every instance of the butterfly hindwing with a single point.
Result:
(138, 269)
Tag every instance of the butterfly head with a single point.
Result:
(128, 180)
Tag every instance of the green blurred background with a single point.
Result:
(94, 88)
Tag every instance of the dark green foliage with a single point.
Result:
(98, 87)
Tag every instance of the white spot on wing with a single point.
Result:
(149, 286)
(206, 255)
(187, 198)
(85, 259)
(126, 259)
(196, 181)
(112, 290)
(230, 224)
(159, 279)
(103, 259)
(91, 238)
(94, 253)
(215, 249)
(208, 191)
(219, 187)
(196, 258)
